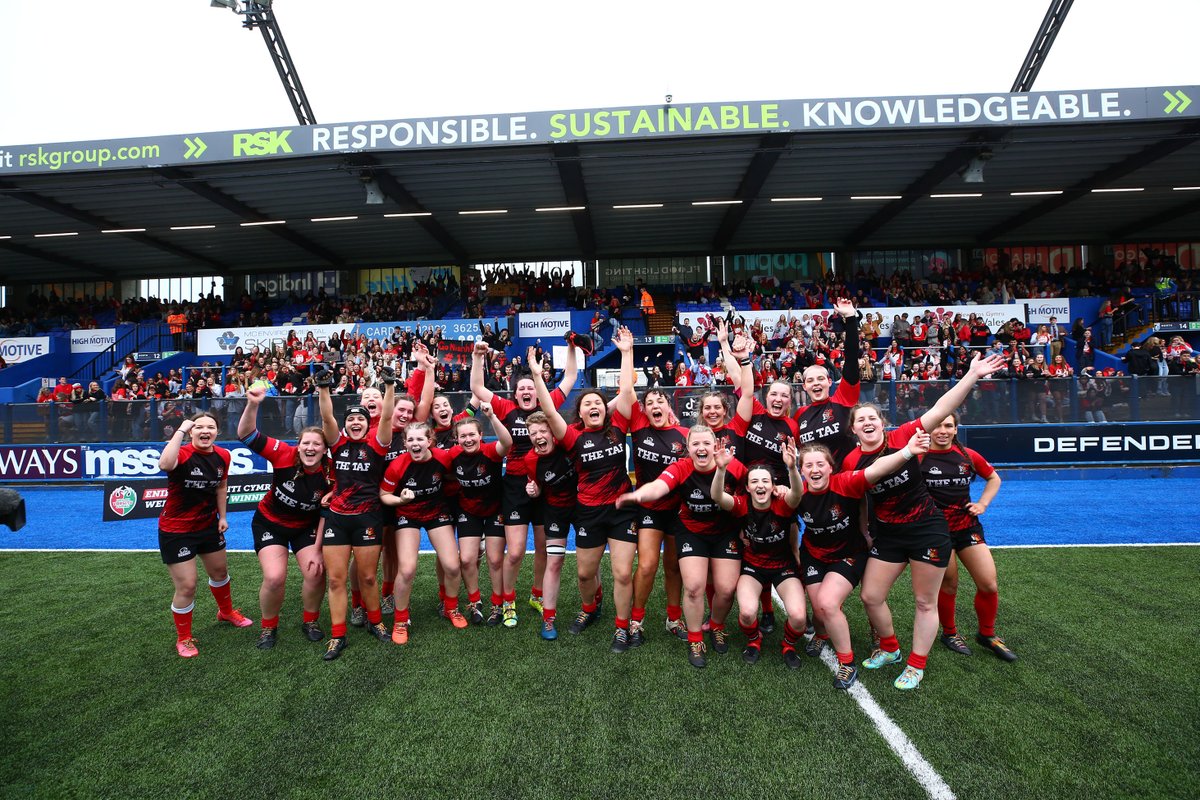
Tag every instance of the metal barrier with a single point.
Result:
(1012, 401)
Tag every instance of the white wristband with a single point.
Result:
(908, 454)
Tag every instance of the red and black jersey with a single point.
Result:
(762, 439)
(765, 532)
(698, 512)
(831, 529)
(425, 479)
(729, 438)
(478, 476)
(555, 474)
(948, 475)
(828, 422)
(447, 437)
(513, 419)
(192, 490)
(654, 449)
(295, 497)
(358, 465)
(901, 497)
(600, 461)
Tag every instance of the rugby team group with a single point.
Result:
(757, 496)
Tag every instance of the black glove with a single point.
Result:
(322, 375)
(387, 374)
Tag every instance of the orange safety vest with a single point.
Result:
(178, 323)
(647, 303)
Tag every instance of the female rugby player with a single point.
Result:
(193, 524)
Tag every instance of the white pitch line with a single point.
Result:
(1110, 544)
(916, 764)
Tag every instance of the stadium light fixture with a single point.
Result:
(375, 195)
(5, 237)
(1035, 194)
(410, 214)
(124, 230)
(484, 211)
(1121, 189)
(332, 219)
(952, 195)
(55, 235)
(562, 208)
(796, 199)
(638, 205)
(263, 222)
(1185, 189)
(716, 202)
(192, 227)
(876, 197)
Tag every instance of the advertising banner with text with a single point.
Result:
(1041, 309)
(1114, 443)
(24, 348)
(93, 341)
(994, 315)
(614, 123)
(145, 499)
(225, 341)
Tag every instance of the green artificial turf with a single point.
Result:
(96, 703)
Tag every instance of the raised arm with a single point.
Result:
(791, 460)
(717, 491)
(850, 373)
(570, 372)
(383, 431)
(248, 424)
(732, 370)
(625, 395)
(886, 465)
(741, 353)
(503, 437)
(558, 425)
(170, 454)
(954, 397)
(478, 365)
(428, 388)
(323, 379)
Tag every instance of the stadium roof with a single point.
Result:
(793, 170)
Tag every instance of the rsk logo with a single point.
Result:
(261, 143)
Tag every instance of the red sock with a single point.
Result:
(945, 603)
(674, 613)
(986, 606)
(716, 626)
(270, 622)
(312, 616)
(846, 658)
(790, 634)
(764, 600)
(375, 616)
(916, 661)
(388, 588)
(695, 636)
(510, 597)
(622, 623)
(536, 591)
(750, 631)
(401, 615)
(450, 604)
(709, 591)
(183, 622)
(223, 595)
(473, 597)
(355, 598)
(589, 608)
(638, 615)
(338, 631)
(496, 599)
(889, 644)
(441, 592)
(548, 613)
